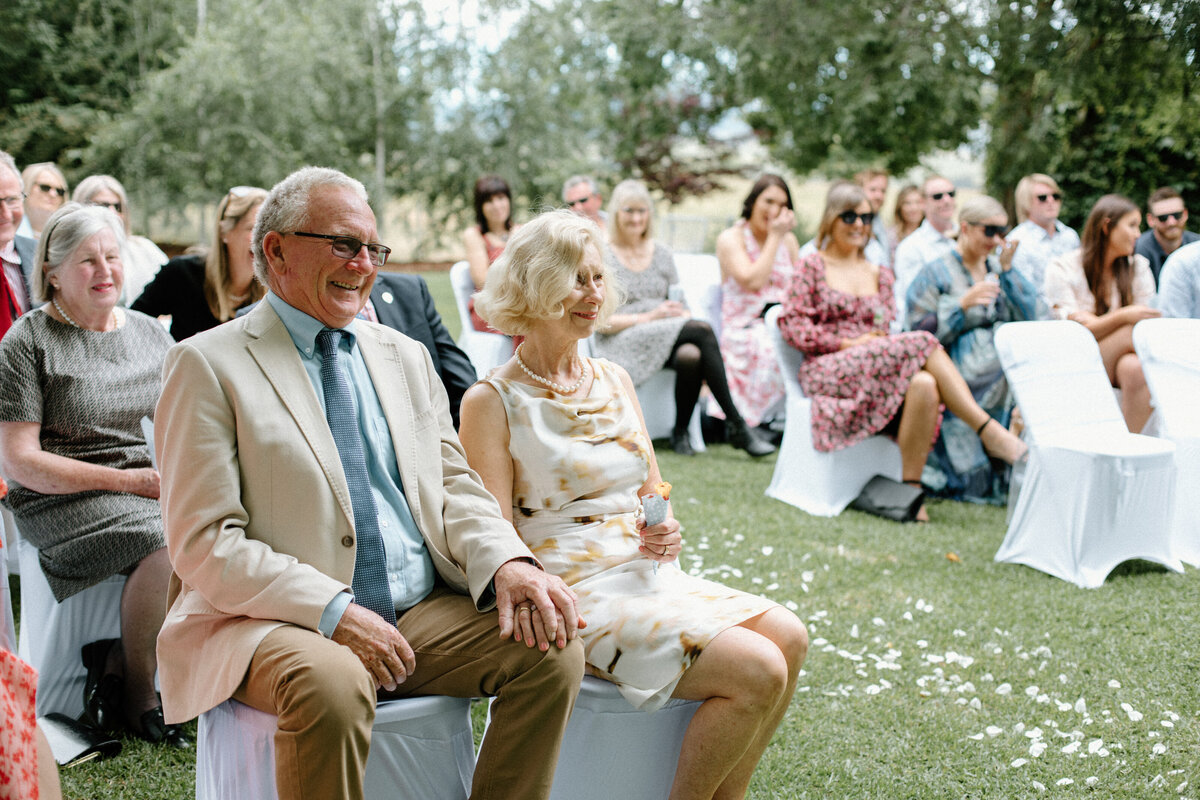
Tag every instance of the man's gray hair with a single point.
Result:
(8, 161)
(576, 180)
(65, 231)
(286, 207)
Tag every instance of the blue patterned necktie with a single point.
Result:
(370, 583)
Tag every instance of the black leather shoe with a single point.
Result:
(157, 731)
(681, 444)
(101, 692)
(743, 438)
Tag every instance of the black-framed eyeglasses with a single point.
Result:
(48, 189)
(940, 195)
(849, 216)
(991, 230)
(14, 201)
(348, 247)
(1176, 215)
(1041, 198)
(579, 202)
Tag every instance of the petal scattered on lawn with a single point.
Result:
(1134, 714)
(1063, 782)
(1114, 684)
(1019, 762)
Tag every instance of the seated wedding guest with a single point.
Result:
(1179, 283)
(861, 380)
(1166, 217)
(930, 241)
(330, 545)
(962, 299)
(16, 252)
(1042, 235)
(876, 251)
(1108, 289)
(76, 377)
(141, 257)
(486, 240)
(45, 192)
(906, 217)
(559, 440)
(757, 255)
(200, 292)
(874, 183)
(651, 330)
(581, 194)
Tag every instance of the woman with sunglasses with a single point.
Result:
(962, 298)
(45, 192)
(757, 256)
(200, 292)
(142, 258)
(486, 240)
(651, 329)
(1108, 289)
(861, 380)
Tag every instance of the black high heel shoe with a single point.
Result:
(743, 437)
(101, 692)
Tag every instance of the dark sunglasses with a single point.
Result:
(48, 189)
(579, 202)
(940, 195)
(849, 217)
(991, 230)
(348, 247)
(1176, 215)
(1041, 198)
(114, 206)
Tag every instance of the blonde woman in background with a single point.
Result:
(141, 257)
(200, 292)
(45, 192)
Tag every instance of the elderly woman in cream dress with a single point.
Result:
(559, 440)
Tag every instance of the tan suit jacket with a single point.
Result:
(257, 510)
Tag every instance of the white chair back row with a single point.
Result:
(486, 350)
(1093, 495)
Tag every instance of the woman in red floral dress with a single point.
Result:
(861, 380)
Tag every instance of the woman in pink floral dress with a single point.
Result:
(861, 380)
(757, 255)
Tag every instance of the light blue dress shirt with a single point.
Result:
(1038, 248)
(410, 569)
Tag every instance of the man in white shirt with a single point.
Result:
(930, 241)
(1042, 236)
(1179, 283)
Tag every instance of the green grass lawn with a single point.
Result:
(934, 672)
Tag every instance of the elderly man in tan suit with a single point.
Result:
(309, 468)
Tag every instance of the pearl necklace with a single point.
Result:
(65, 316)
(558, 387)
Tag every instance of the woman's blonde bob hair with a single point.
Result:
(980, 208)
(538, 269)
(624, 193)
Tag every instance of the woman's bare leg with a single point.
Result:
(955, 393)
(143, 607)
(743, 678)
(1113, 347)
(918, 421)
(1135, 394)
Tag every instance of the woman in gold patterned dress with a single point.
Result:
(559, 440)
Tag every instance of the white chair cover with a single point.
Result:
(700, 277)
(486, 350)
(421, 747)
(1093, 494)
(52, 633)
(822, 484)
(1169, 350)
(12, 541)
(8, 630)
(612, 750)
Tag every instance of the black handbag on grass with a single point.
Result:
(890, 499)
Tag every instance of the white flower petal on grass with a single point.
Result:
(1004, 688)
(854, 631)
(1019, 728)
(1070, 748)
(1019, 762)
(1158, 749)
(1134, 715)
(993, 730)
(975, 704)
(908, 616)
(1081, 706)
(1034, 733)
(767, 550)
(1041, 787)
(1031, 691)
(1063, 782)
(1179, 789)
(878, 622)
(1114, 684)
(1037, 748)
(959, 633)
(1092, 780)
(807, 576)
(791, 605)
(1062, 706)
(978, 737)
(1095, 746)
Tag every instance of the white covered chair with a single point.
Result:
(8, 631)
(822, 484)
(1093, 494)
(1169, 350)
(700, 277)
(486, 350)
(52, 633)
(421, 747)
